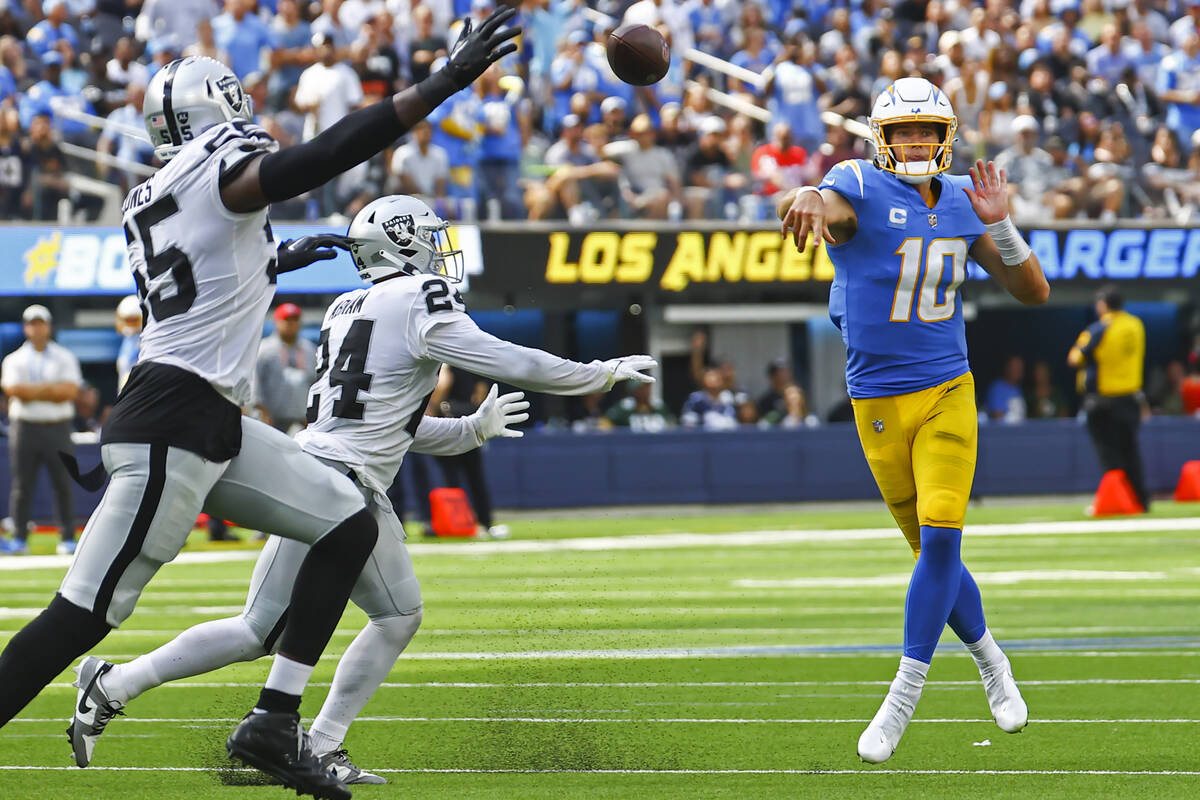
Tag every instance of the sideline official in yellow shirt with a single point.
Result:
(1111, 353)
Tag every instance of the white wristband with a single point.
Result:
(1014, 250)
(804, 189)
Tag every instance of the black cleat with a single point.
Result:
(275, 743)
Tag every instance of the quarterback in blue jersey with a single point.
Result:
(899, 231)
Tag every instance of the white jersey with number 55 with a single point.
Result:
(205, 275)
(378, 359)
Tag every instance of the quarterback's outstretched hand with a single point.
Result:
(629, 368)
(495, 414)
(806, 213)
(476, 50)
(989, 197)
(294, 254)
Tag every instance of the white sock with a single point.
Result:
(200, 649)
(365, 665)
(910, 677)
(986, 652)
(288, 676)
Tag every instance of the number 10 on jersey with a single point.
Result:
(937, 276)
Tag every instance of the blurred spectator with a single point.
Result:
(206, 45)
(119, 137)
(129, 325)
(601, 185)
(122, 69)
(50, 98)
(649, 173)
(794, 89)
(48, 184)
(420, 167)
(86, 419)
(778, 165)
(1028, 170)
(640, 412)
(967, 92)
(1179, 85)
(613, 113)
(293, 35)
(1164, 391)
(1045, 399)
(377, 60)
(286, 370)
(711, 184)
(1005, 400)
(178, 19)
(1187, 24)
(41, 379)
(500, 148)
(779, 376)
(243, 35)
(568, 190)
(590, 416)
(709, 407)
(794, 413)
(328, 91)
(755, 56)
(426, 45)
(44, 36)
(14, 167)
(1109, 59)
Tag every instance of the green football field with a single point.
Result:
(686, 655)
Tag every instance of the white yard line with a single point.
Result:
(865, 772)
(933, 685)
(1002, 578)
(671, 541)
(660, 720)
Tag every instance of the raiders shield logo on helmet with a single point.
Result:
(232, 90)
(399, 229)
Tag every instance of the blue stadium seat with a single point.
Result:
(91, 346)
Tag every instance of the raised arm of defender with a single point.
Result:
(363, 133)
(460, 343)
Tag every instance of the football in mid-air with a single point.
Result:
(638, 54)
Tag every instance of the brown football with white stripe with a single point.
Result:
(638, 54)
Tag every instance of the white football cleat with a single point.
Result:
(882, 736)
(1004, 698)
(93, 709)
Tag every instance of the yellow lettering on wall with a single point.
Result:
(598, 257)
(558, 269)
(794, 265)
(762, 256)
(687, 262)
(637, 257)
(725, 256)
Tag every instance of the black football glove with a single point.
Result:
(295, 254)
(475, 51)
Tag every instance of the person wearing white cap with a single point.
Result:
(41, 379)
(129, 325)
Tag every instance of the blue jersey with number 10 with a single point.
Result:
(895, 292)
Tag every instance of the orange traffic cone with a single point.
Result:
(450, 513)
(1115, 496)
(1188, 488)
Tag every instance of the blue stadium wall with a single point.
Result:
(564, 470)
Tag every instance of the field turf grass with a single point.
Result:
(740, 661)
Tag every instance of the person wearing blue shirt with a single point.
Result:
(500, 149)
(46, 34)
(292, 34)
(899, 231)
(793, 89)
(1179, 87)
(48, 96)
(1005, 397)
(457, 129)
(243, 35)
(8, 84)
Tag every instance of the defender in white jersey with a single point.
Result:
(380, 351)
(202, 253)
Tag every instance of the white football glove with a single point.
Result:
(495, 414)
(629, 368)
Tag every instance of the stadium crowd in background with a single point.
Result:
(1093, 104)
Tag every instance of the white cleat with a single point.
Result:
(1004, 698)
(93, 709)
(882, 736)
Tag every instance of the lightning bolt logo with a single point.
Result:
(42, 259)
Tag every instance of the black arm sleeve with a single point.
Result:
(352, 140)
